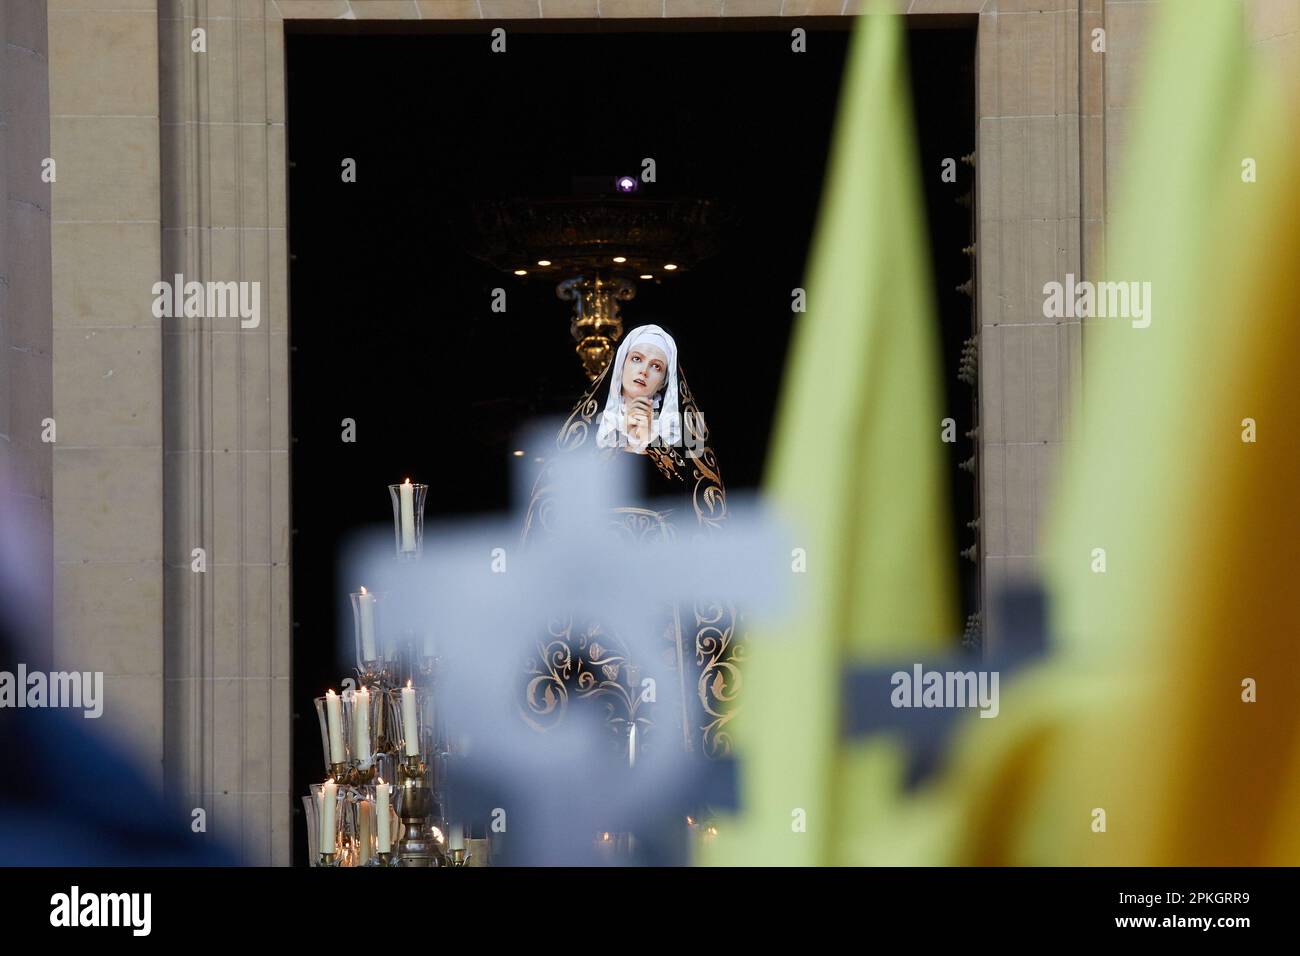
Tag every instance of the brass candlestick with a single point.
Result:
(416, 846)
(354, 775)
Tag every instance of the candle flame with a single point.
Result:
(363, 589)
(407, 481)
(330, 693)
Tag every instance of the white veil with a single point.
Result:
(667, 424)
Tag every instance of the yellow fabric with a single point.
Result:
(1139, 713)
(857, 466)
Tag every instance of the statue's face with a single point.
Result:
(644, 371)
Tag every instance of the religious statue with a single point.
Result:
(642, 405)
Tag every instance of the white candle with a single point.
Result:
(456, 837)
(334, 718)
(365, 814)
(361, 724)
(366, 601)
(383, 817)
(328, 804)
(410, 726)
(605, 847)
(408, 515)
(631, 746)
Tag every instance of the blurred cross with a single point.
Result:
(489, 599)
(870, 691)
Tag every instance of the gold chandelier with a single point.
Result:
(595, 249)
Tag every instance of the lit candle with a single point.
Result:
(361, 724)
(365, 814)
(383, 832)
(410, 725)
(408, 515)
(328, 804)
(456, 837)
(366, 601)
(334, 718)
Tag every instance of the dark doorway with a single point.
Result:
(391, 323)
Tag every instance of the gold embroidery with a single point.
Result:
(569, 663)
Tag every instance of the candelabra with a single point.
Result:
(382, 738)
(384, 746)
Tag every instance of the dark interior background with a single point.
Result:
(390, 319)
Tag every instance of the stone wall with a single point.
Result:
(26, 340)
(108, 481)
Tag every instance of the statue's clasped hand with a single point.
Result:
(639, 418)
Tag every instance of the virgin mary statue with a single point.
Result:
(641, 405)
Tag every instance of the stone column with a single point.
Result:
(1030, 209)
(225, 423)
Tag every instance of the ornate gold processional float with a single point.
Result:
(385, 746)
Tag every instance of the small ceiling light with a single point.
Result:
(620, 258)
(521, 272)
(543, 262)
(669, 266)
(518, 453)
(647, 276)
